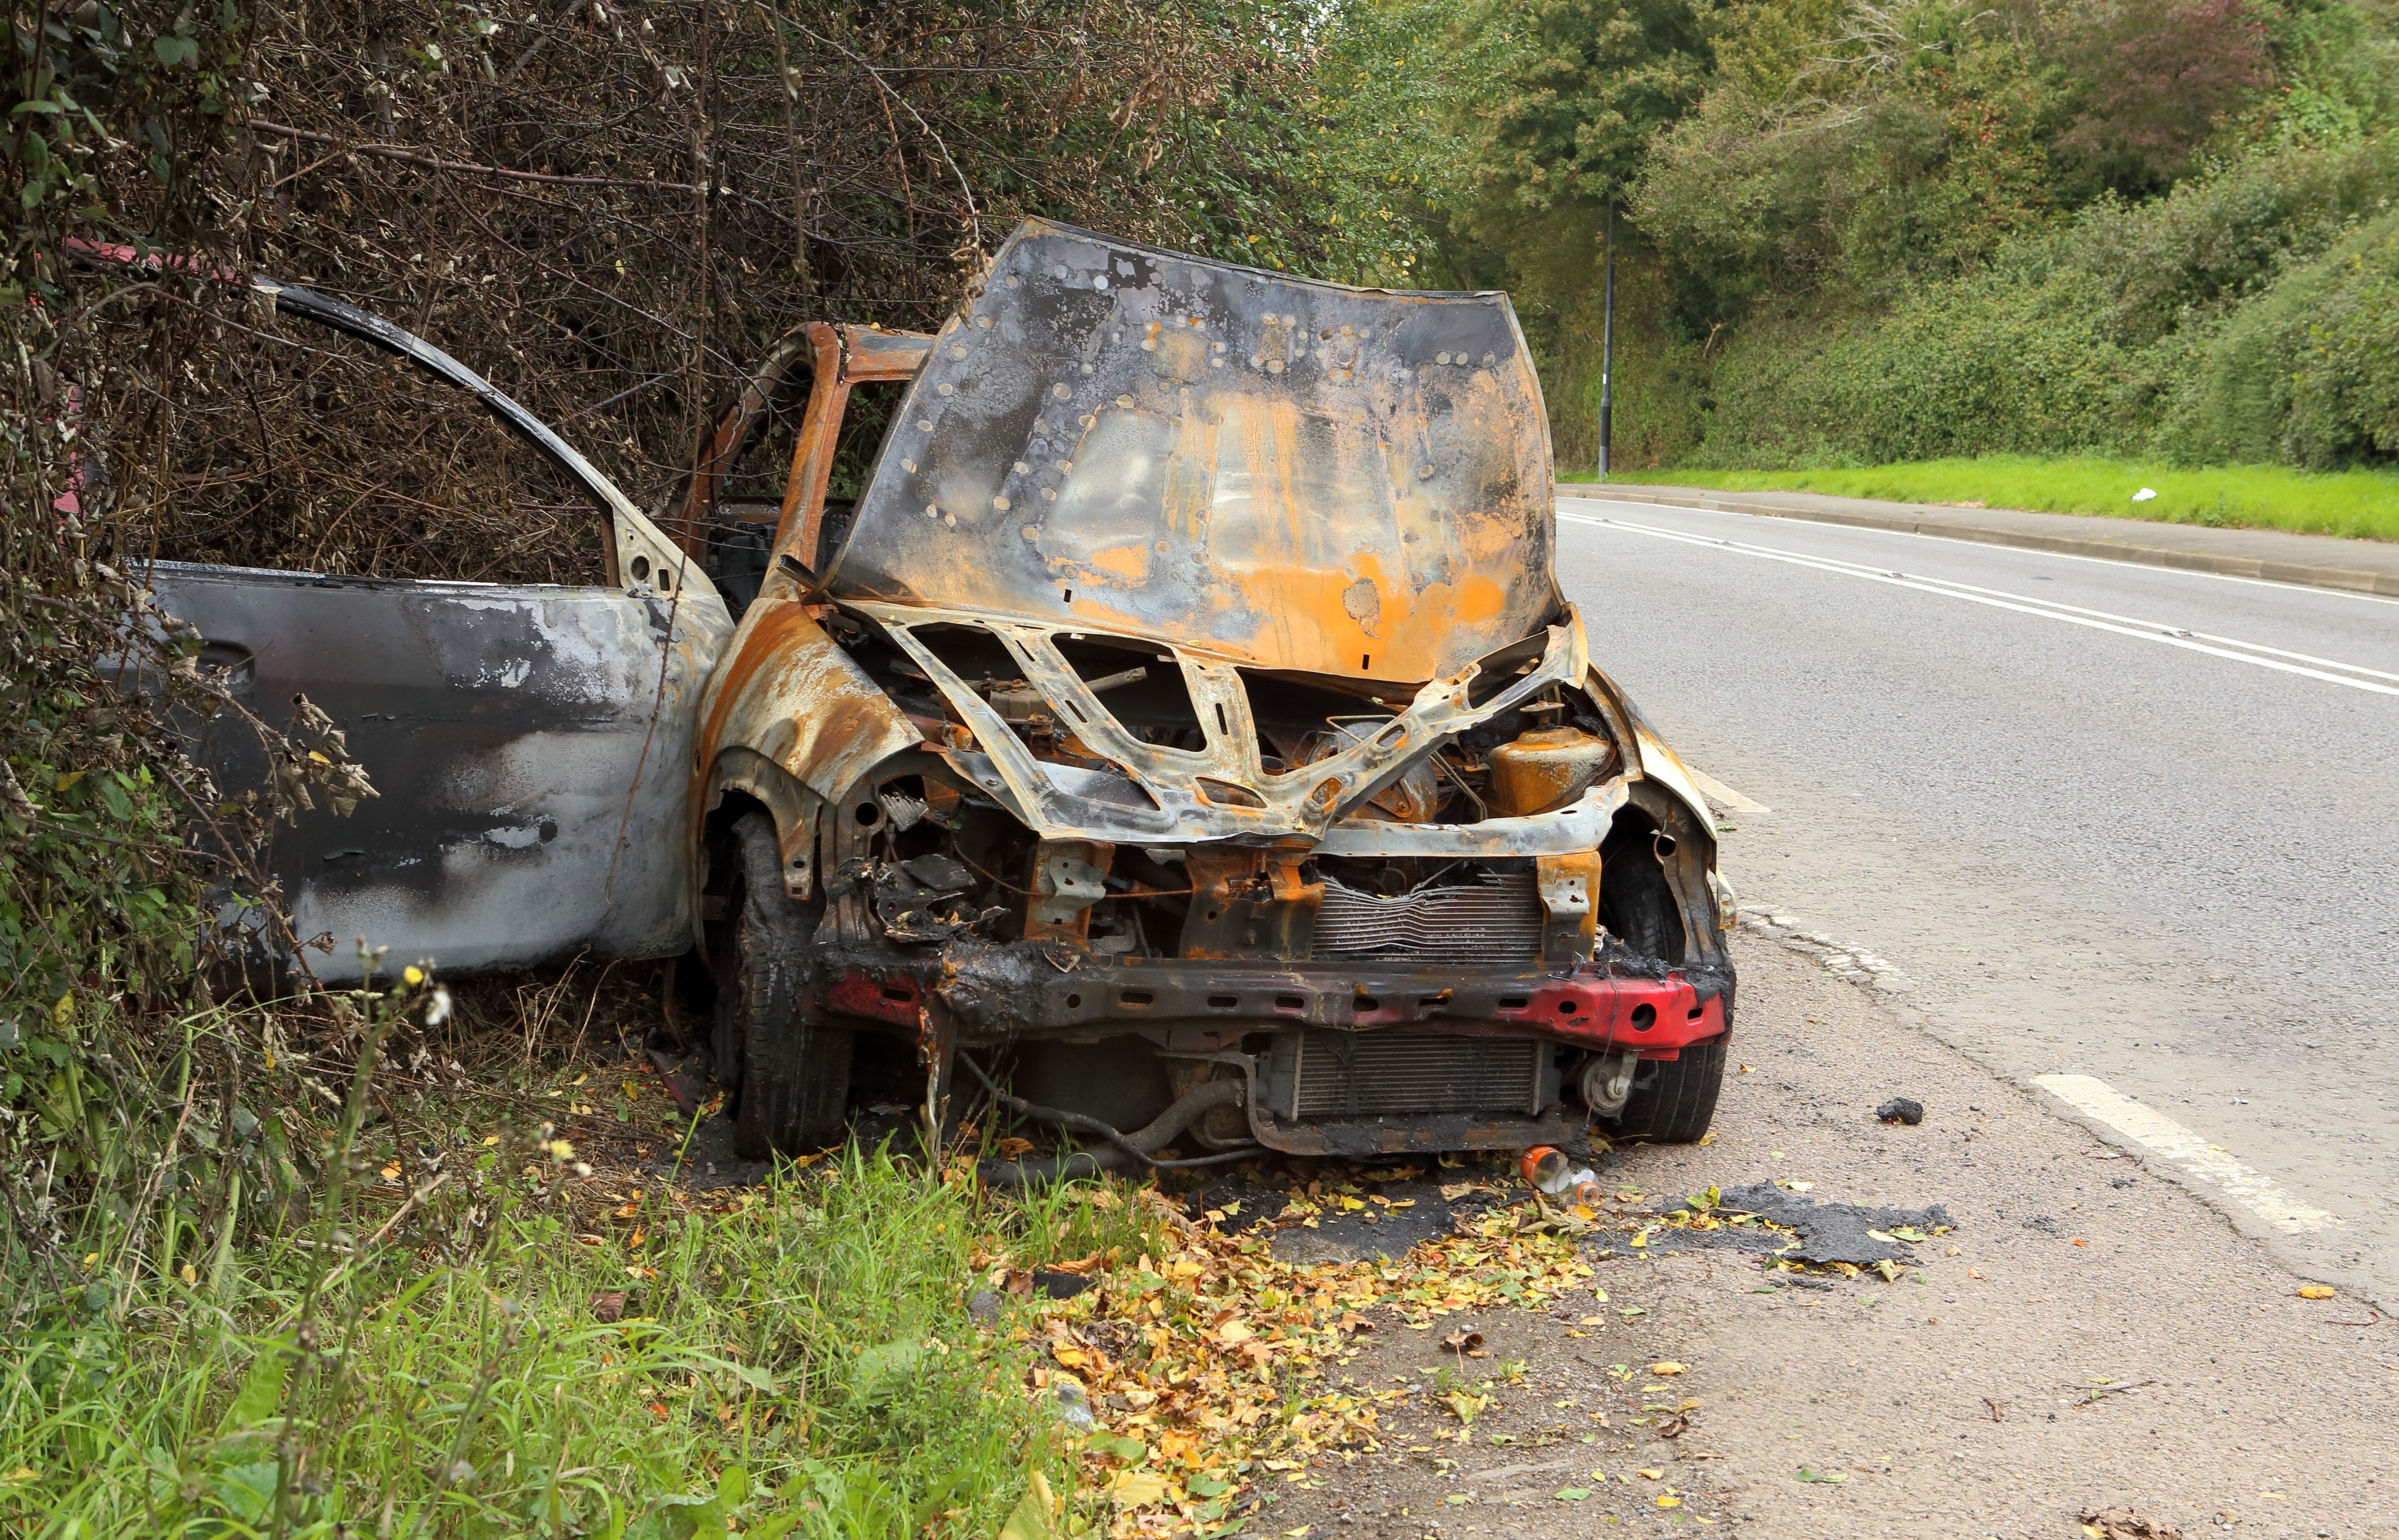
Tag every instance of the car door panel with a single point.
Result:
(530, 747)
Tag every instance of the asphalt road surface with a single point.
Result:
(2124, 834)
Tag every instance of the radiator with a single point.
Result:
(1497, 920)
(1324, 1076)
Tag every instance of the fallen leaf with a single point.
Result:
(2125, 1524)
(1462, 1342)
(1669, 1367)
(1832, 1475)
(608, 1306)
(1670, 1502)
(1134, 1488)
(1571, 1495)
(1467, 1406)
(1655, 1473)
(1030, 1520)
(1458, 1499)
(2315, 1291)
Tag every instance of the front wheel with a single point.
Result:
(1673, 1100)
(789, 1076)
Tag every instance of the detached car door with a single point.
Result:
(530, 744)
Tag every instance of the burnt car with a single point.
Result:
(1173, 719)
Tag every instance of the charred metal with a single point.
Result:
(1181, 727)
(1188, 700)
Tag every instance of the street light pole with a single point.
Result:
(1608, 342)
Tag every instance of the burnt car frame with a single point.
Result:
(1179, 724)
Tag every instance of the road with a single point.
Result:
(2129, 826)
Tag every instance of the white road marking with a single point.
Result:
(2169, 1140)
(2141, 631)
(1717, 791)
(2020, 550)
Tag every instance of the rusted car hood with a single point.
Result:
(1290, 474)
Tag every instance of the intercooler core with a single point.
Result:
(1328, 1076)
(1496, 919)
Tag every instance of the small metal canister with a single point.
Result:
(1547, 769)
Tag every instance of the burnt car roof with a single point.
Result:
(1297, 475)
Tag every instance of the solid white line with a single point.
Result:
(2165, 635)
(2168, 1139)
(2020, 550)
(2125, 620)
(1717, 790)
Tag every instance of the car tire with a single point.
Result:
(1673, 1100)
(789, 1077)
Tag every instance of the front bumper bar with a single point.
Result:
(1003, 993)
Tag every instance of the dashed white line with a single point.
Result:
(1717, 791)
(2252, 653)
(2170, 1141)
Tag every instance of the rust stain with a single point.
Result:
(1288, 474)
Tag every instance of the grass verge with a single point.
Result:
(2358, 503)
(528, 1344)
(799, 1363)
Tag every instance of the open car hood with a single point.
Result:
(1290, 474)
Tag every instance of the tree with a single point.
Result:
(1583, 87)
(2155, 79)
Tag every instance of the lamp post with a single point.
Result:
(1608, 342)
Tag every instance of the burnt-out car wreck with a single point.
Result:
(1179, 729)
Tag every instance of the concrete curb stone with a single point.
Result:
(1954, 524)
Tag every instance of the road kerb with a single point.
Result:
(2343, 579)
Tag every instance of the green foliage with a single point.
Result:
(1581, 87)
(2359, 504)
(1974, 366)
(2308, 372)
(802, 1364)
(2239, 319)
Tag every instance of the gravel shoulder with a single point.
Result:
(2089, 1335)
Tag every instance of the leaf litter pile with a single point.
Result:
(1200, 1369)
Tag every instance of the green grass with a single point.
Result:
(2360, 504)
(799, 1364)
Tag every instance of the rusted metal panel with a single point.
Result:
(1173, 799)
(528, 748)
(1288, 473)
(789, 692)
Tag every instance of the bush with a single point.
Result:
(2308, 373)
(2242, 318)
(1977, 367)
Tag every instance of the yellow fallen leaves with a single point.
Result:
(2315, 1291)
(1668, 1368)
(1136, 1488)
(1035, 1516)
(1204, 1361)
(1670, 1502)
(1655, 1473)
